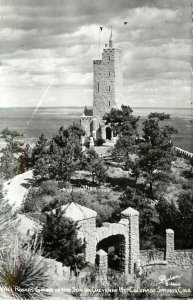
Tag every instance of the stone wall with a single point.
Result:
(88, 230)
(181, 259)
(86, 123)
(177, 258)
(56, 268)
(150, 255)
(170, 257)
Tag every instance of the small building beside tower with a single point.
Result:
(107, 92)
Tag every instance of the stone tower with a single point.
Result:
(107, 86)
(107, 92)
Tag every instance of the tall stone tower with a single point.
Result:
(107, 87)
(107, 92)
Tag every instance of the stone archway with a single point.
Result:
(108, 133)
(114, 237)
(114, 246)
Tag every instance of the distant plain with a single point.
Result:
(49, 120)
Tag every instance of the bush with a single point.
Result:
(9, 132)
(39, 197)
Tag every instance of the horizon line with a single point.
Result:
(70, 106)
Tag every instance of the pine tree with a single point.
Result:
(24, 159)
(60, 240)
(122, 121)
(39, 150)
(93, 164)
(61, 157)
(8, 162)
(7, 230)
(132, 198)
(185, 225)
(124, 125)
(155, 151)
(43, 169)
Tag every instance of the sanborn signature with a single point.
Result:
(164, 279)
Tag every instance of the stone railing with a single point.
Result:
(183, 153)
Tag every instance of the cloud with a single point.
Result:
(56, 41)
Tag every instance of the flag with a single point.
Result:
(101, 28)
(125, 23)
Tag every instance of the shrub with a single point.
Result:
(39, 197)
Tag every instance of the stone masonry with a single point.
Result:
(107, 91)
(128, 228)
(177, 258)
(107, 83)
(103, 265)
(131, 216)
(88, 228)
(169, 243)
(169, 258)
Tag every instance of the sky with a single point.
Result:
(47, 48)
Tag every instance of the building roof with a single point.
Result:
(78, 212)
(88, 111)
(130, 212)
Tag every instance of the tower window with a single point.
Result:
(109, 58)
(109, 74)
(97, 86)
(109, 103)
(109, 88)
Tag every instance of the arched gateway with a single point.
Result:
(121, 238)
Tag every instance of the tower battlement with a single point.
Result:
(97, 61)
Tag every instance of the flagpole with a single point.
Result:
(99, 43)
